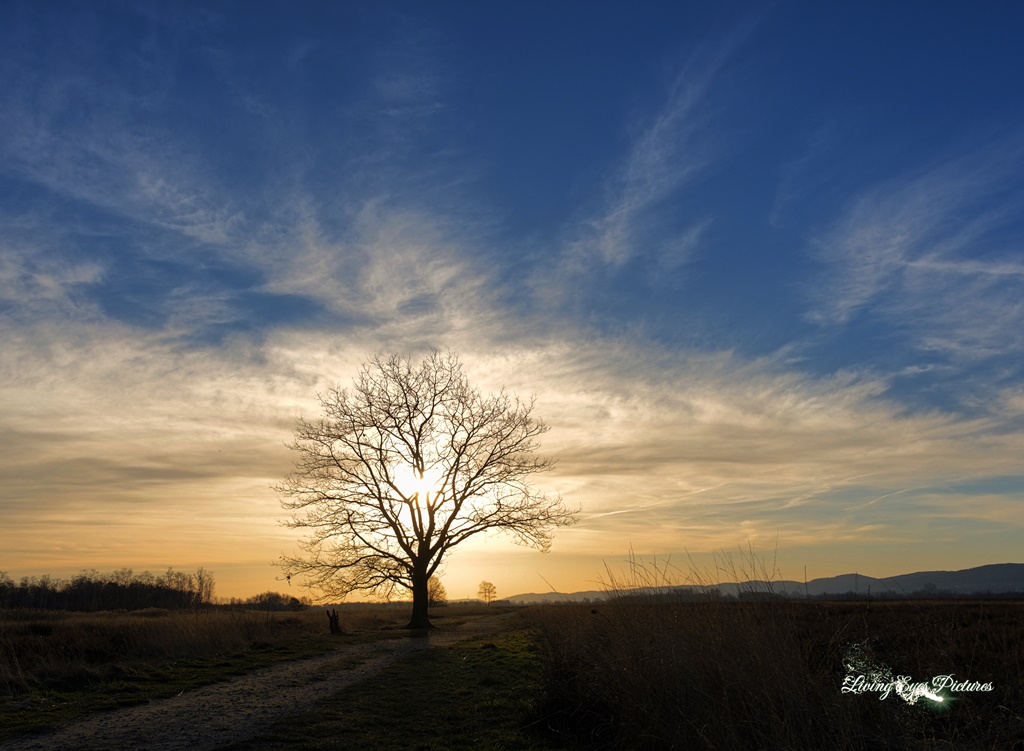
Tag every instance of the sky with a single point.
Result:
(760, 265)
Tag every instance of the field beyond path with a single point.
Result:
(234, 711)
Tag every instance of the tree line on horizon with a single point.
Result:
(92, 591)
(275, 601)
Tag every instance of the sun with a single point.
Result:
(410, 482)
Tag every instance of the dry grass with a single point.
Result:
(67, 651)
(650, 670)
(64, 650)
(56, 667)
(474, 695)
(61, 650)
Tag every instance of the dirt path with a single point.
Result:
(216, 715)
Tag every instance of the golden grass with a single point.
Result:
(62, 650)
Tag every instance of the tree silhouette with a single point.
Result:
(409, 463)
(488, 592)
(436, 593)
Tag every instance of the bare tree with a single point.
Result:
(409, 463)
(437, 595)
(488, 592)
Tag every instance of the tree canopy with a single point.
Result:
(408, 463)
(488, 592)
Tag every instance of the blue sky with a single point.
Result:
(760, 264)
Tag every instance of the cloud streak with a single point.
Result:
(641, 216)
(928, 256)
(170, 302)
(702, 445)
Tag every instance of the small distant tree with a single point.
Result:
(436, 594)
(203, 587)
(488, 592)
(6, 590)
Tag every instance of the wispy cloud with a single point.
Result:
(702, 450)
(930, 256)
(150, 434)
(37, 282)
(388, 245)
(710, 450)
(640, 214)
(256, 285)
(92, 140)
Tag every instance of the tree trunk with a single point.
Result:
(420, 600)
(332, 619)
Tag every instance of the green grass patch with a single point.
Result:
(475, 695)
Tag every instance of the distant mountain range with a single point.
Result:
(997, 578)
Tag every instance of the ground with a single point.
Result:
(238, 712)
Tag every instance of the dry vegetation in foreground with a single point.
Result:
(639, 671)
(474, 695)
(56, 666)
(650, 671)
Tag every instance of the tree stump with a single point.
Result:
(332, 618)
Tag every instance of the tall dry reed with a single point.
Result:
(652, 668)
(60, 649)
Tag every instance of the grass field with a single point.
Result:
(480, 695)
(635, 672)
(57, 666)
(648, 673)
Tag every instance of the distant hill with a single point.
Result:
(996, 578)
(558, 597)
